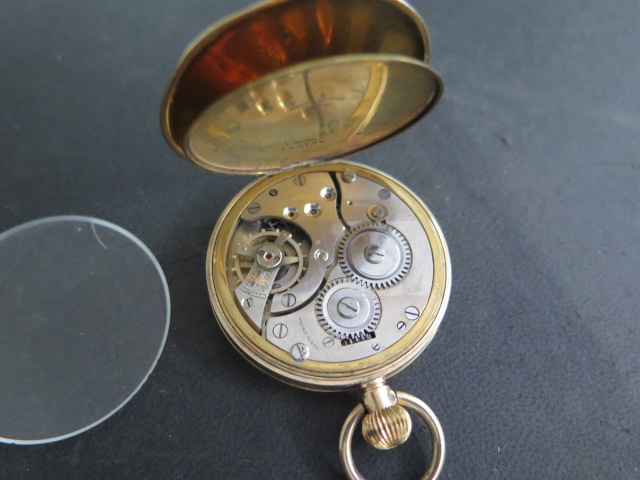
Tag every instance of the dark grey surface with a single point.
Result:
(84, 315)
(531, 163)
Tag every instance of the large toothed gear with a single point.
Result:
(348, 310)
(292, 264)
(375, 254)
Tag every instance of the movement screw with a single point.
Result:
(280, 330)
(254, 208)
(300, 352)
(412, 313)
(288, 300)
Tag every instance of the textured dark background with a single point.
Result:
(531, 163)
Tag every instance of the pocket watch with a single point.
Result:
(324, 273)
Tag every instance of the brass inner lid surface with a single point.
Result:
(317, 110)
(247, 83)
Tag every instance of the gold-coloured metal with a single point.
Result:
(388, 428)
(334, 107)
(425, 413)
(386, 424)
(377, 395)
(315, 375)
(299, 80)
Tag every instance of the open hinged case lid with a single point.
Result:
(288, 82)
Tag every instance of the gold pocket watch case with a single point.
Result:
(323, 273)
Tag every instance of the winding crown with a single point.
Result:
(387, 428)
(387, 424)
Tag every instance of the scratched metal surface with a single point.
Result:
(531, 163)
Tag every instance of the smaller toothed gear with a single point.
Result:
(348, 310)
(375, 254)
